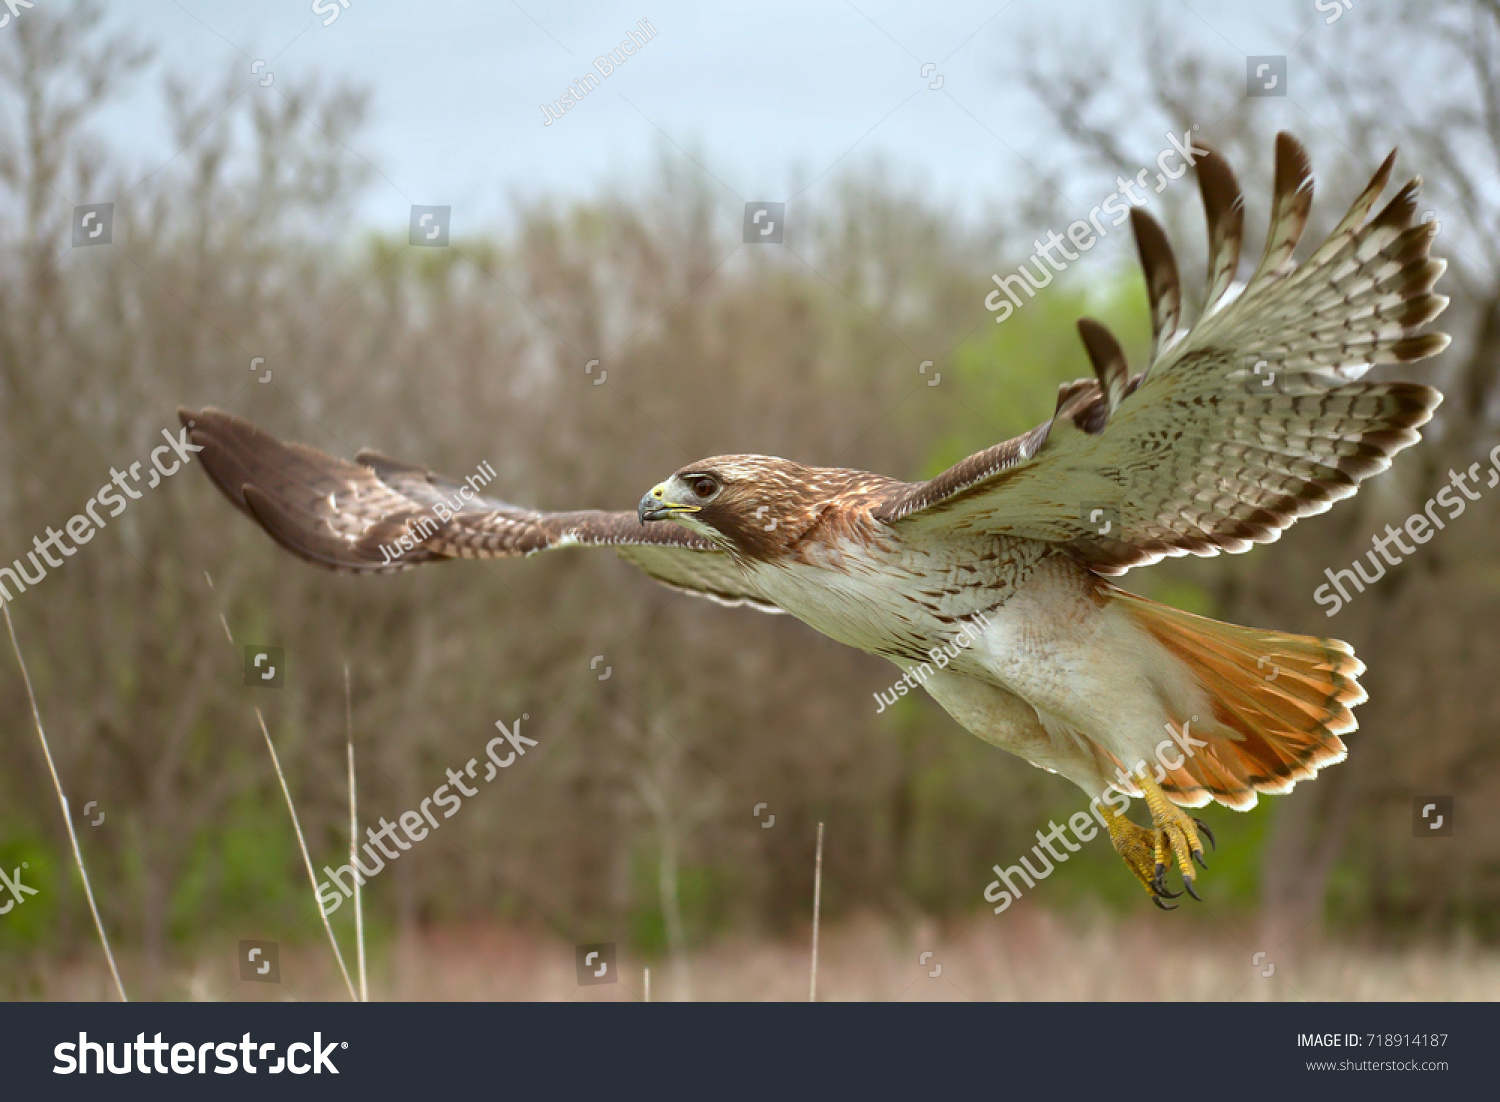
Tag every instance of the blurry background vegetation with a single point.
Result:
(632, 820)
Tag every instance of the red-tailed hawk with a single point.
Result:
(987, 584)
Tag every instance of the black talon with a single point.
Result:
(1206, 833)
(1187, 882)
(1163, 906)
(1159, 883)
(1198, 857)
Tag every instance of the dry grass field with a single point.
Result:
(1037, 956)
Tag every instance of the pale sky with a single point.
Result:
(768, 97)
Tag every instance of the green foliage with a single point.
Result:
(243, 868)
(1008, 372)
(44, 867)
(703, 898)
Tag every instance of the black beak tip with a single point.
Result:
(646, 511)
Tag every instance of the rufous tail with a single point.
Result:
(1279, 703)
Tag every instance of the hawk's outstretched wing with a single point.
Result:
(376, 515)
(1251, 419)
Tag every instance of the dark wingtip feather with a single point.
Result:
(1291, 203)
(1163, 287)
(220, 435)
(1402, 208)
(1108, 360)
(1293, 165)
(1417, 347)
(1224, 209)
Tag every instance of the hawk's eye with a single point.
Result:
(704, 486)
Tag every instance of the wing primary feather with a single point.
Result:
(1354, 220)
(1224, 208)
(1163, 288)
(1290, 204)
(1109, 365)
(1399, 212)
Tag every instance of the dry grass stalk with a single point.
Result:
(812, 986)
(312, 877)
(359, 914)
(67, 812)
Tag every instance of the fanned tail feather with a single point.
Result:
(1279, 702)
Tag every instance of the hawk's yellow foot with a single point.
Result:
(1146, 853)
(1137, 847)
(1176, 838)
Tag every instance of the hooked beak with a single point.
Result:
(658, 505)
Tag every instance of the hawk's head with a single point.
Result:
(754, 505)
